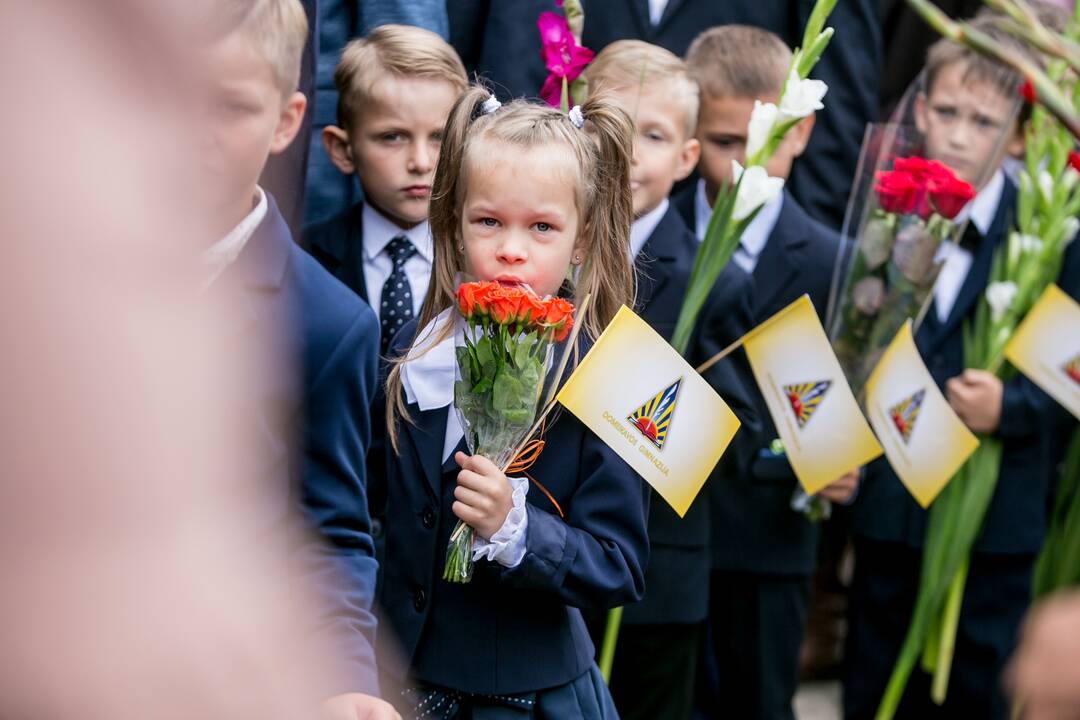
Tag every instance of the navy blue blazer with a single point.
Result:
(338, 245)
(508, 630)
(1016, 520)
(677, 578)
(754, 527)
(313, 429)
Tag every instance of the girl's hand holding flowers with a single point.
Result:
(483, 497)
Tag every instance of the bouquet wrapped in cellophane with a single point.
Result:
(905, 209)
(504, 352)
(1045, 223)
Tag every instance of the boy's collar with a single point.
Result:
(643, 227)
(225, 251)
(756, 234)
(378, 231)
(983, 208)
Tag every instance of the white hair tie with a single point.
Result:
(491, 105)
(576, 117)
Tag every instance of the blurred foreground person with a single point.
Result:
(147, 562)
(1045, 671)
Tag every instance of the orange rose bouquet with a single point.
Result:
(502, 357)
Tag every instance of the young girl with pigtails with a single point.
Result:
(523, 194)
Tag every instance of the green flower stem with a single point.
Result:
(946, 642)
(611, 637)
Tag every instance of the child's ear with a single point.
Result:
(800, 134)
(289, 123)
(335, 141)
(1014, 146)
(920, 112)
(688, 158)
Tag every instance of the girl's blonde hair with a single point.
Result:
(602, 152)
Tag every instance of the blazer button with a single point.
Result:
(419, 600)
(428, 518)
(376, 528)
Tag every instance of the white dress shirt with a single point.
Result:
(980, 212)
(428, 377)
(224, 252)
(656, 10)
(378, 232)
(644, 226)
(754, 238)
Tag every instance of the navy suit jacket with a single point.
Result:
(754, 527)
(338, 245)
(314, 429)
(677, 578)
(1030, 421)
(508, 630)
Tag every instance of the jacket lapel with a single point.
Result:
(640, 10)
(979, 273)
(778, 264)
(340, 248)
(426, 433)
(653, 263)
(671, 8)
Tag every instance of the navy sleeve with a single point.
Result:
(341, 568)
(596, 556)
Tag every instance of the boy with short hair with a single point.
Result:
(395, 90)
(968, 104)
(656, 655)
(311, 417)
(764, 552)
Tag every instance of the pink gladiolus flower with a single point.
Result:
(563, 57)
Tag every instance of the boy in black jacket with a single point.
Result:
(764, 551)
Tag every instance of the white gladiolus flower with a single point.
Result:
(1072, 224)
(762, 120)
(757, 188)
(1027, 243)
(801, 97)
(1000, 296)
(1046, 185)
(1071, 178)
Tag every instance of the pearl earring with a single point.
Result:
(461, 248)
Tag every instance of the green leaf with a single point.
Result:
(507, 393)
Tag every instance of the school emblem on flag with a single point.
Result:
(1072, 368)
(904, 413)
(653, 418)
(805, 398)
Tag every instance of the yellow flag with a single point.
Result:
(925, 441)
(1046, 347)
(641, 398)
(825, 434)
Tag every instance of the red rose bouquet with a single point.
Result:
(503, 357)
(912, 210)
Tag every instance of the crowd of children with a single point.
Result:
(455, 182)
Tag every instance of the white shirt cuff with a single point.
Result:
(507, 545)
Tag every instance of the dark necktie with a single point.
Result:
(971, 238)
(396, 307)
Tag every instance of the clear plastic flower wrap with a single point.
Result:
(908, 208)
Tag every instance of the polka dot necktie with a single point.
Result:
(396, 307)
